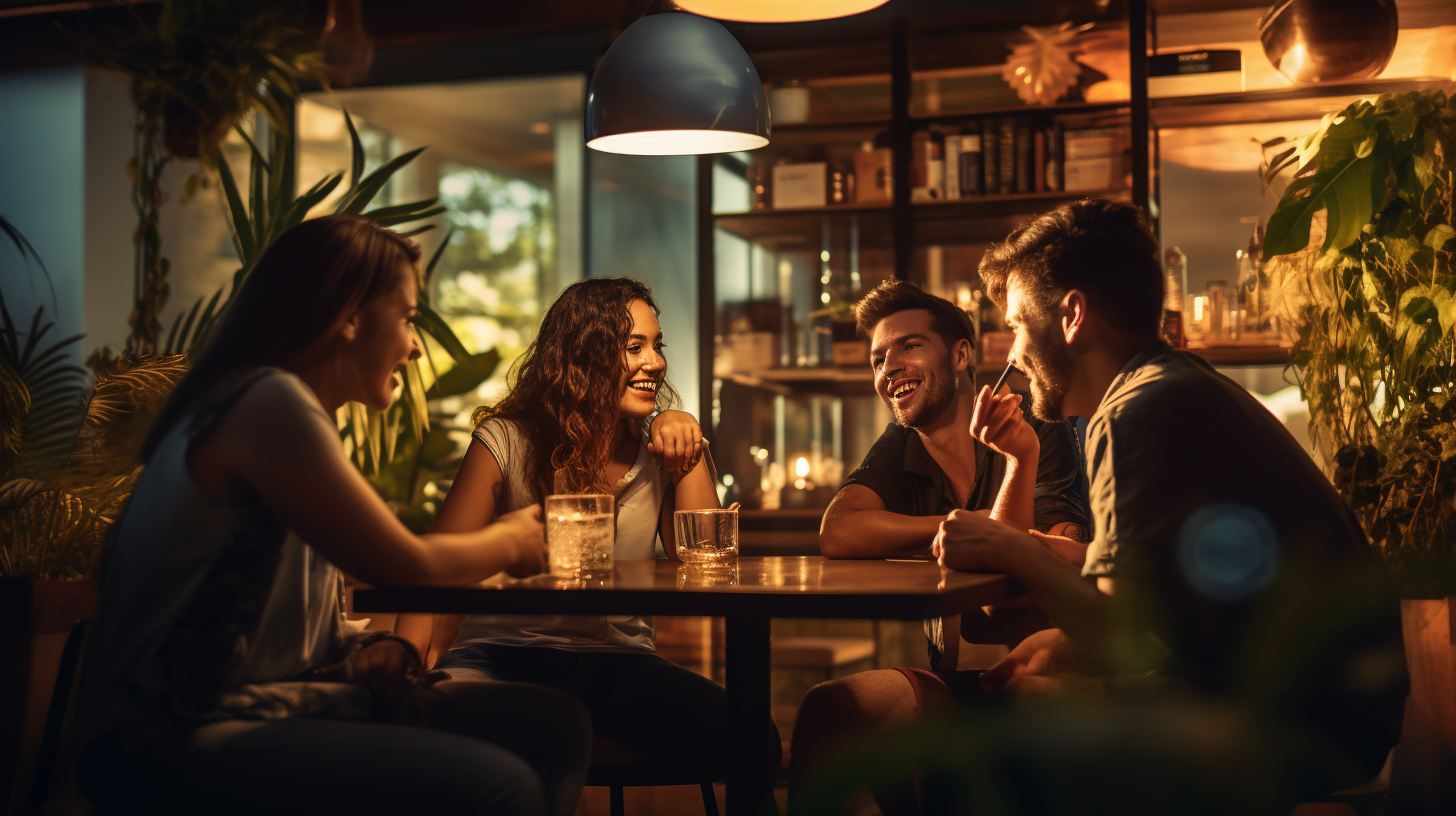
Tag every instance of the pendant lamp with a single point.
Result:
(676, 84)
(778, 11)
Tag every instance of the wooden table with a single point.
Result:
(747, 596)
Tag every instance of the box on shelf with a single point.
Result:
(995, 346)
(800, 185)
(1189, 73)
(1091, 174)
(1093, 144)
(872, 169)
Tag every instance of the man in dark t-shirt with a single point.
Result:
(1225, 564)
(949, 448)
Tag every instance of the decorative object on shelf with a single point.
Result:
(788, 102)
(1042, 71)
(676, 84)
(1329, 40)
(347, 48)
(778, 11)
(1188, 73)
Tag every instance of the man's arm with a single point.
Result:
(999, 425)
(857, 525)
(971, 542)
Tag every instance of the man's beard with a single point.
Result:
(1049, 367)
(939, 391)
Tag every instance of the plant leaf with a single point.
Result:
(466, 376)
(1438, 236)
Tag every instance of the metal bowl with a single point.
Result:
(1329, 40)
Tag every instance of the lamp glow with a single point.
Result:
(778, 11)
(676, 84)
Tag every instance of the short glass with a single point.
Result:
(581, 533)
(707, 537)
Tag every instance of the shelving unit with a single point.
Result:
(901, 233)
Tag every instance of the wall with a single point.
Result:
(643, 226)
(42, 171)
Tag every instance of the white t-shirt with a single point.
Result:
(638, 505)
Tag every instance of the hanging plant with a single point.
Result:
(1042, 71)
(197, 71)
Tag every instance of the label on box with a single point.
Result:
(1088, 144)
(799, 185)
(1082, 175)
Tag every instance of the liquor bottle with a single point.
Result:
(1175, 272)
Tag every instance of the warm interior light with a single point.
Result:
(801, 467)
(777, 11)
(677, 142)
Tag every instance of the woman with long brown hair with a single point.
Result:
(221, 676)
(576, 420)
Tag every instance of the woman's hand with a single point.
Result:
(999, 424)
(387, 668)
(677, 442)
(527, 537)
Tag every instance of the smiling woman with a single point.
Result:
(219, 659)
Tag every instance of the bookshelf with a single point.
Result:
(880, 97)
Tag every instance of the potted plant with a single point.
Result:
(1373, 296)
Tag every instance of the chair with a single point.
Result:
(57, 719)
(615, 766)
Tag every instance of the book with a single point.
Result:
(1038, 163)
(1023, 178)
(972, 176)
(952, 166)
(1054, 157)
(1006, 162)
(990, 157)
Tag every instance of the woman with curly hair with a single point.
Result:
(576, 420)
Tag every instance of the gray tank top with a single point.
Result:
(176, 617)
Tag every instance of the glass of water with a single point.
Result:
(581, 534)
(707, 537)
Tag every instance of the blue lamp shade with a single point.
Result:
(676, 84)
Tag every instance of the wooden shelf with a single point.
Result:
(1244, 355)
(844, 382)
(971, 206)
(1057, 109)
(804, 228)
(1280, 105)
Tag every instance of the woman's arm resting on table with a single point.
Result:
(287, 452)
(857, 525)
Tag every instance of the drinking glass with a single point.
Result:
(580, 534)
(707, 537)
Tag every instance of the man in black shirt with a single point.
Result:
(949, 448)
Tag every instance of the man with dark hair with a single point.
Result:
(948, 449)
(1223, 559)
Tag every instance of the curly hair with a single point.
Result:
(1100, 247)
(566, 388)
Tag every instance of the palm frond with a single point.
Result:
(54, 384)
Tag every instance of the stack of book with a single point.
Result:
(1009, 154)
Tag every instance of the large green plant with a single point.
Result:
(68, 452)
(1374, 298)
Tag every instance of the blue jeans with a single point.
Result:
(648, 704)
